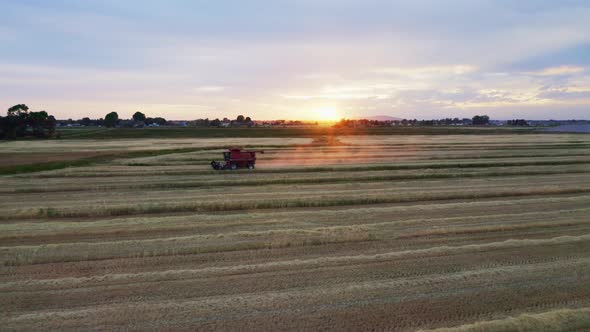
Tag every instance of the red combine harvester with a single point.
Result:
(236, 158)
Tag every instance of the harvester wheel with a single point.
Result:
(250, 166)
(233, 166)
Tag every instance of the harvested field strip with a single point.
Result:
(23, 233)
(19, 255)
(29, 202)
(26, 286)
(179, 246)
(281, 300)
(555, 320)
(498, 228)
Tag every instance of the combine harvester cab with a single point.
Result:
(236, 158)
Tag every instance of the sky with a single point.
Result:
(297, 59)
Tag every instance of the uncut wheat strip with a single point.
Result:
(312, 298)
(304, 154)
(430, 155)
(125, 171)
(367, 150)
(310, 154)
(183, 202)
(401, 169)
(33, 203)
(460, 139)
(163, 143)
(27, 201)
(143, 144)
(349, 166)
(205, 172)
(307, 159)
(550, 321)
(135, 207)
(318, 201)
(309, 179)
(355, 213)
(218, 223)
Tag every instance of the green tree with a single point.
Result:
(86, 122)
(18, 110)
(138, 116)
(480, 120)
(110, 120)
(36, 121)
(17, 117)
(160, 121)
(240, 118)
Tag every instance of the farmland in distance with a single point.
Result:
(399, 233)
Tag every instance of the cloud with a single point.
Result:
(426, 71)
(567, 94)
(209, 89)
(561, 70)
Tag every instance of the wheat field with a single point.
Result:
(396, 233)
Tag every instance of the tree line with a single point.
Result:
(478, 120)
(20, 122)
(139, 119)
(112, 120)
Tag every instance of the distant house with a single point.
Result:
(130, 124)
(177, 123)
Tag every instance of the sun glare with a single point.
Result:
(326, 114)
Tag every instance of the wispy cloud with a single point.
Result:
(561, 70)
(209, 89)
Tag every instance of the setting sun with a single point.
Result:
(326, 114)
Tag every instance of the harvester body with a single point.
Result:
(235, 158)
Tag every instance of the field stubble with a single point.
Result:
(393, 233)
